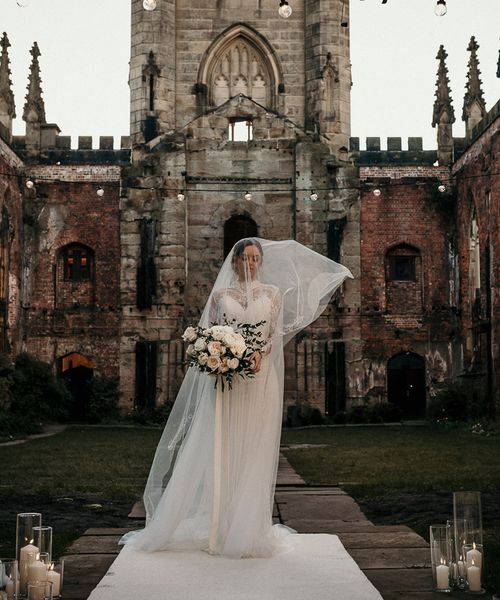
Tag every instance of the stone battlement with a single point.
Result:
(63, 142)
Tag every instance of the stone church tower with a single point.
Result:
(240, 125)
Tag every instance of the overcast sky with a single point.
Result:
(85, 47)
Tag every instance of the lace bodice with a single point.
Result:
(248, 304)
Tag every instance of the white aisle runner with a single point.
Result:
(316, 568)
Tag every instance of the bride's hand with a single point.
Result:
(256, 358)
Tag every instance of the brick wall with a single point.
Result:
(65, 316)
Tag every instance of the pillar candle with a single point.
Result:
(442, 577)
(55, 578)
(474, 555)
(27, 554)
(9, 589)
(474, 578)
(37, 571)
(461, 568)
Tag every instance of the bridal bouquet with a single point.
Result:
(224, 351)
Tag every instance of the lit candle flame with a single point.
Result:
(474, 545)
(51, 568)
(442, 560)
(473, 562)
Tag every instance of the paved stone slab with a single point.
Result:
(108, 531)
(138, 511)
(95, 544)
(379, 539)
(400, 580)
(77, 592)
(296, 506)
(422, 596)
(391, 558)
(313, 491)
(329, 526)
(86, 569)
(286, 475)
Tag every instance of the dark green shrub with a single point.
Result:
(14, 425)
(385, 412)
(302, 415)
(359, 414)
(340, 417)
(152, 416)
(35, 392)
(5, 381)
(103, 399)
(451, 404)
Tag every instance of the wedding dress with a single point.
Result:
(211, 485)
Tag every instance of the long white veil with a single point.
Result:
(304, 281)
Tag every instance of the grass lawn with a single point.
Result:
(89, 477)
(407, 474)
(81, 478)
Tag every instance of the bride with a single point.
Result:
(211, 485)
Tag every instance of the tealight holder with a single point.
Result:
(459, 535)
(440, 544)
(41, 590)
(55, 574)
(9, 579)
(474, 568)
(42, 537)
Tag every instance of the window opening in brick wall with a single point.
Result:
(240, 130)
(77, 263)
(402, 268)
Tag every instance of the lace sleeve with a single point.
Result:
(274, 318)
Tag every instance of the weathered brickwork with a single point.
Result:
(113, 279)
(477, 184)
(63, 315)
(406, 221)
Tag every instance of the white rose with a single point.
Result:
(215, 348)
(202, 358)
(190, 334)
(238, 349)
(200, 344)
(217, 332)
(229, 339)
(213, 363)
(190, 350)
(233, 363)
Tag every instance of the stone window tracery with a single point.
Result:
(240, 61)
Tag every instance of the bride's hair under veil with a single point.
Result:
(285, 286)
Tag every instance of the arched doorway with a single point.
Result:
(77, 370)
(236, 228)
(406, 384)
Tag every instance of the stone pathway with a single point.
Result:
(394, 558)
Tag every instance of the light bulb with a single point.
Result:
(180, 196)
(441, 188)
(376, 192)
(29, 184)
(149, 4)
(313, 197)
(285, 10)
(440, 9)
(248, 196)
(100, 191)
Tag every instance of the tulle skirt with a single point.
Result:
(220, 493)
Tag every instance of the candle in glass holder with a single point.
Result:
(474, 577)
(37, 571)
(55, 578)
(462, 571)
(474, 555)
(27, 555)
(10, 587)
(442, 576)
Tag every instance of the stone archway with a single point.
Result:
(406, 384)
(77, 371)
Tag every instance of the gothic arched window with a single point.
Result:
(236, 228)
(240, 61)
(403, 279)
